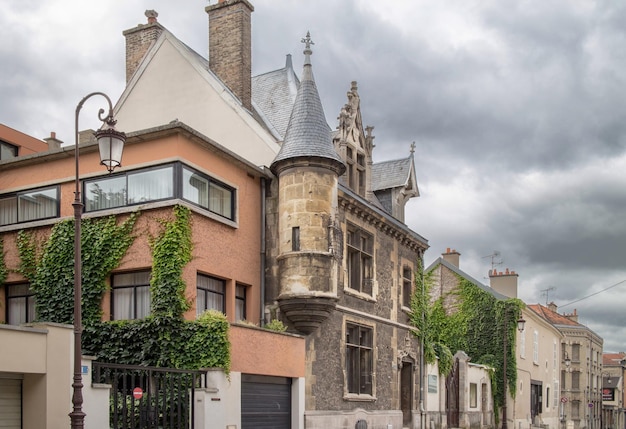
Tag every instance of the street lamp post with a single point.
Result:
(111, 145)
(520, 327)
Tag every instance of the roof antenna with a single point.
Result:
(494, 259)
(546, 292)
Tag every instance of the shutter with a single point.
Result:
(265, 402)
(10, 403)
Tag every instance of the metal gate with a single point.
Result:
(148, 397)
(452, 396)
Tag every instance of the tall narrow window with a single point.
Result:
(211, 294)
(295, 238)
(130, 295)
(360, 260)
(240, 302)
(407, 286)
(575, 380)
(359, 359)
(575, 352)
(473, 395)
(536, 347)
(20, 304)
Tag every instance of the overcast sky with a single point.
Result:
(517, 109)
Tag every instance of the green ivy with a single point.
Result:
(171, 251)
(164, 338)
(476, 324)
(51, 270)
(4, 272)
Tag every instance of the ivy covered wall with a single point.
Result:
(164, 338)
(468, 318)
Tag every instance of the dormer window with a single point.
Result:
(7, 150)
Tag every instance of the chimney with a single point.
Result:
(230, 46)
(53, 142)
(504, 282)
(139, 40)
(552, 307)
(572, 316)
(451, 256)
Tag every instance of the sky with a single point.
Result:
(517, 110)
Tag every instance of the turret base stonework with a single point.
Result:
(307, 313)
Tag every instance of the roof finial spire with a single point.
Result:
(307, 48)
(412, 148)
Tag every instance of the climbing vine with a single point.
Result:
(171, 251)
(469, 319)
(4, 272)
(162, 339)
(50, 267)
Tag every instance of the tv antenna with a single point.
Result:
(495, 259)
(546, 292)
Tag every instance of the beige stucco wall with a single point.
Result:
(170, 87)
(42, 355)
(546, 368)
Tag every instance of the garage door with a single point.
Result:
(265, 402)
(10, 403)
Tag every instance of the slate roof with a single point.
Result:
(274, 93)
(391, 174)
(308, 134)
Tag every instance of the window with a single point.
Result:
(130, 295)
(295, 238)
(536, 347)
(208, 193)
(359, 359)
(240, 302)
(473, 395)
(360, 260)
(575, 380)
(547, 397)
(211, 294)
(7, 150)
(575, 406)
(134, 187)
(407, 286)
(29, 205)
(20, 304)
(563, 380)
(575, 352)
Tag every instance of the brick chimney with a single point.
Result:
(451, 256)
(552, 307)
(139, 40)
(53, 142)
(230, 46)
(572, 316)
(504, 282)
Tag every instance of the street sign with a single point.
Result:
(590, 405)
(563, 399)
(137, 393)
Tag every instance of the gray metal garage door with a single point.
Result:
(10, 403)
(265, 402)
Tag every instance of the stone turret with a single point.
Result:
(308, 169)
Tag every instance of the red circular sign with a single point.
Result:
(564, 399)
(137, 393)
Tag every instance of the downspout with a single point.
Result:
(262, 282)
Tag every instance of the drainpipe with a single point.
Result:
(421, 398)
(263, 210)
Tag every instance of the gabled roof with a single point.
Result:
(613, 358)
(553, 317)
(181, 87)
(458, 271)
(399, 173)
(274, 93)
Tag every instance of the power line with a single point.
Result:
(593, 294)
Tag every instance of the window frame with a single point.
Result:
(134, 287)
(407, 286)
(360, 260)
(178, 171)
(209, 292)
(241, 302)
(16, 206)
(29, 300)
(354, 354)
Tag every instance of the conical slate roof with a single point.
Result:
(308, 134)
